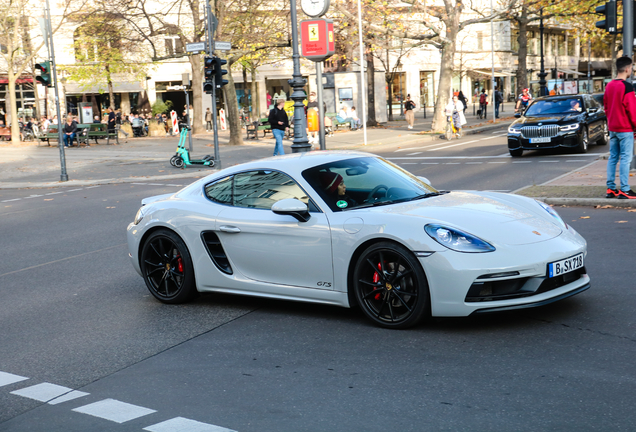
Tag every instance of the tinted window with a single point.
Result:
(554, 106)
(220, 191)
(261, 189)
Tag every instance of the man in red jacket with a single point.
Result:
(620, 107)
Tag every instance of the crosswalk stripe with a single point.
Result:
(7, 378)
(114, 410)
(180, 424)
(45, 392)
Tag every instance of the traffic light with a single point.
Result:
(610, 23)
(219, 72)
(44, 77)
(553, 73)
(209, 71)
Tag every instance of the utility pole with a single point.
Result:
(211, 29)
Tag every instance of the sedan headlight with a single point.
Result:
(457, 240)
(514, 130)
(553, 213)
(570, 127)
(139, 216)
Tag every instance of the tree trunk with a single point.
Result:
(444, 86)
(197, 93)
(111, 91)
(522, 56)
(232, 115)
(371, 121)
(256, 103)
(15, 125)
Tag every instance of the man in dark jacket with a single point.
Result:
(111, 120)
(279, 122)
(69, 130)
(620, 106)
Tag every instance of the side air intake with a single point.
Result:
(216, 252)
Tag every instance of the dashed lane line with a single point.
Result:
(108, 409)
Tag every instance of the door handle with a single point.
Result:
(230, 229)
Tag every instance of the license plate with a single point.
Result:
(539, 140)
(564, 266)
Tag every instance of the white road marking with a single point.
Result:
(14, 199)
(454, 145)
(429, 163)
(408, 163)
(7, 378)
(54, 193)
(576, 160)
(68, 396)
(45, 392)
(74, 190)
(548, 161)
(497, 162)
(521, 161)
(180, 424)
(114, 410)
(473, 163)
(91, 187)
(453, 163)
(413, 154)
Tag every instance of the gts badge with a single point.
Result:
(324, 284)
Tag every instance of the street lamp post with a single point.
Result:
(301, 143)
(543, 90)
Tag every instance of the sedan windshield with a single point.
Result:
(554, 106)
(363, 182)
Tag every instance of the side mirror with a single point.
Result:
(517, 115)
(292, 207)
(425, 180)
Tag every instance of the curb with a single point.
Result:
(590, 202)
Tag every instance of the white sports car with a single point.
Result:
(349, 228)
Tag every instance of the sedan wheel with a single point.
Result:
(390, 286)
(167, 267)
(584, 143)
(605, 137)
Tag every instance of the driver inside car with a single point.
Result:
(334, 185)
(575, 106)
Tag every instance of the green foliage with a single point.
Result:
(160, 107)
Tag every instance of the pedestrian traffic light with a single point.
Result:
(44, 77)
(219, 72)
(610, 23)
(209, 71)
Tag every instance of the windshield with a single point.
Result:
(365, 181)
(555, 106)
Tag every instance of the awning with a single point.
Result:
(118, 87)
(489, 73)
(570, 72)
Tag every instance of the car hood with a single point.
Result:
(558, 118)
(499, 219)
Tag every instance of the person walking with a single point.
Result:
(620, 106)
(462, 99)
(208, 120)
(280, 123)
(111, 120)
(498, 101)
(409, 114)
(483, 103)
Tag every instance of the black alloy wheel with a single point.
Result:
(584, 143)
(167, 268)
(390, 286)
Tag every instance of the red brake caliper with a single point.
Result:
(376, 279)
(180, 265)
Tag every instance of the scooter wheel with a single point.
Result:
(173, 159)
(178, 162)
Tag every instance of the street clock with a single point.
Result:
(314, 8)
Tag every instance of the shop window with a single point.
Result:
(174, 45)
(398, 87)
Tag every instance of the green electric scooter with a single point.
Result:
(181, 159)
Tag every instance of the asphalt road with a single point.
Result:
(75, 314)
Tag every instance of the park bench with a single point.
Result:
(85, 131)
(254, 128)
(335, 123)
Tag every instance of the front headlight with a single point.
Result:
(570, 127)
(514, 130)
(457, 240)
(553, 213)
(139, 216)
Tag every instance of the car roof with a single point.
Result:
(559, 97)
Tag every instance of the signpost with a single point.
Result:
(317, 44)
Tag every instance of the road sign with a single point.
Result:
(195, 47)
(222, 46)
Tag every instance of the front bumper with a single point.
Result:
(452, 277)
(563, 139)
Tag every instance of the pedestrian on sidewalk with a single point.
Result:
(463, 100)
(498, 101)
(409, 106)
(483, 103)
(620, 106)
(280, 123)
(208, 120)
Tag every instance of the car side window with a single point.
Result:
(261, 189)
(220, 191)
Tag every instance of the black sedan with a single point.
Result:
(569, 121)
